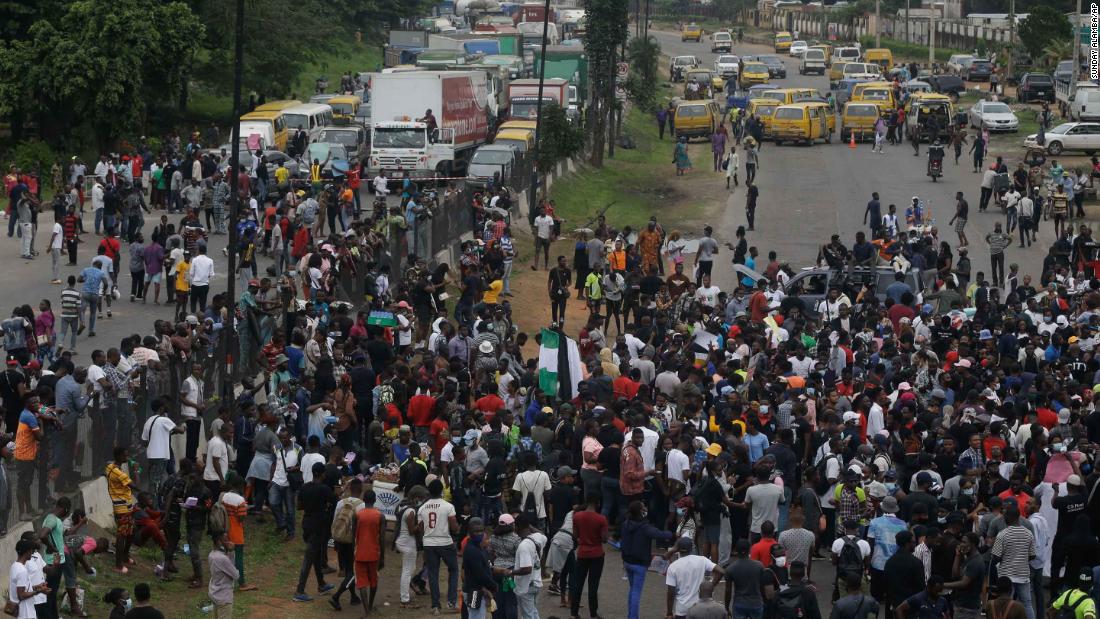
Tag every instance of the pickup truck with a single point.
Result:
(1080, 101)
(721, 42)
(809, 286)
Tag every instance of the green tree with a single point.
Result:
(606, 33)
(644, 54)
(559, 139)
(1043, 26)
(98, 63)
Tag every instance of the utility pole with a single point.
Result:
(907, 21)
(932, 36)
(531, 201)
(1011, 38)
(878, 27)
(229, 374)
(1076, 48)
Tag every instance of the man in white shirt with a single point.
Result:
(678, 464)
(217, 459)
(191, 401)
(528, 569)
(312, 456)
(439, 522)
(707, 294)
(380, 188)
(97, 200)
(684, 576)
(544, 229)
(532, 482)
(57, 238)
(157, 434)
(200, 274)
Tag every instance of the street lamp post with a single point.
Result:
(531, 202)
(229, 331)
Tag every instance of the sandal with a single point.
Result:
(195, 584)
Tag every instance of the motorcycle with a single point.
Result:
(935, 162)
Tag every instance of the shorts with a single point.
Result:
(154, 278)
(124, 524)
(960, 224)
(541, 242)
(366, 574)
(712, 533)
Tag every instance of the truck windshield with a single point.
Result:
(346, 138)
(341, 108)
(528, 108)
(398, 137)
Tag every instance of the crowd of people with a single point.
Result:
(934, 441)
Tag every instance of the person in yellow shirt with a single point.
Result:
(183, 285)
(492, 293)
(282, 176)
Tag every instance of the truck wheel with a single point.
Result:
(1055, 148)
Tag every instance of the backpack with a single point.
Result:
(821, 486)
(218, 520)
(343, 526)
(1070, 611)
(530, 506)
(788, 604)
(850, 559)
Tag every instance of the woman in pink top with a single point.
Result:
(590, 452)
(43, 326)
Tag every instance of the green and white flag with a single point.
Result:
(559, 365)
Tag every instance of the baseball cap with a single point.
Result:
(565, 471)
(506, 519)
(714, 449)
(1074, 480)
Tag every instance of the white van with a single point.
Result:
(846, 54)
(256, 134)
(309, 116)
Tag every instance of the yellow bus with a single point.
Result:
(279, 130)
(277, 106)
(344, 108)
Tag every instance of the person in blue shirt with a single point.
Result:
(750, 262)
(92, 278)
(755, 441)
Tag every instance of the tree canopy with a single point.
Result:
(1043, 25)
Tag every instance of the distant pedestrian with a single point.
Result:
(718, 147)
(731, 167)
(680, 157)
(662, 119)
(223, 576)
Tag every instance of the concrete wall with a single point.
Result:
(949, 33)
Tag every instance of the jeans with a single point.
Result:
(408, 567)
(69, 325)
(749, 612)
(198, 297)
(529, 603)
(478, 613)
(557, 308)
(137, 283)
(590, 570)
(491, 508)
(785, 507)
(194, 428)
(447, 554)
(635, 575)
(55, 263)
(612, 499)
(997, 262)
(98, 220)
(1021, 592)
(89, 300)
(27, 232)
(313, 558)
(507, 275)
(281, 499)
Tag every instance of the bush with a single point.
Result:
(34, 155)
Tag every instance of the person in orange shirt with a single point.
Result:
(353, 185)
(617, 257)
(370, 549)
(236, 507)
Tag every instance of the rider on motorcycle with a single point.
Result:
(935, 154)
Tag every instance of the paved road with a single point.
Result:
(808, 193)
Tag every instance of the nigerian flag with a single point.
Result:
(559, 365)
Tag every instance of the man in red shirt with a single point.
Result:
(420, 413)
(758, 302)
(627, 387)
(489, 404)
(762, 550)
(370, 549)
(591, 530)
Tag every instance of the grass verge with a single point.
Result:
(639, 181)
(909, 51)
(268, 562)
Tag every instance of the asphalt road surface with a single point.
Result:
(808, 193)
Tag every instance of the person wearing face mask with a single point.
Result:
(478, 584)
(119, 601)
(1062, 462)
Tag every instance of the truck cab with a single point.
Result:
(404, 148)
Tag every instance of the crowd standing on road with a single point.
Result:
(933, 440)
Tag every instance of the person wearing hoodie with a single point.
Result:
(477, 575)
(636, 537)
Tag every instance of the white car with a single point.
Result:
(721, 42)
(957, 64)
(727, 65)
(1069, 136)
(813, 61)
(993, 115)
(797, 47)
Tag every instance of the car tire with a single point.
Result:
(1054, 148)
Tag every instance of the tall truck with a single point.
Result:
(533, 12)
(469, 44)
(523, 96)
(568, 62)
(404, 146)
(403, 46)
(1078, 101)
